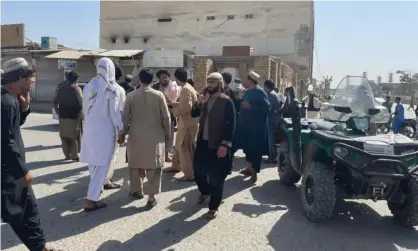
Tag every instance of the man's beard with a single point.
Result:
(213, 91)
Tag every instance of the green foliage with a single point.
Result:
(406, 77)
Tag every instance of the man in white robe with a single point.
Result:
(102, 120)
(108, 185)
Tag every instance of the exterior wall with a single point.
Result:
(48, 76)
(278, 28)
(262, 67)
(203, 66)
(287, 75)
(12, 35)
(266, 67)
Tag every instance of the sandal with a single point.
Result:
(136, 195)
(151, 204)
(50, 249)
(212, 214)
(96, 205)
(254, 177)
(111, 186)
(202, 198)
(186, 178)
(171, 170)
(246, 172)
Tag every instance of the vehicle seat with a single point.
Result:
(321, 125)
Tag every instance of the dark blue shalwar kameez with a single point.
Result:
(251, 132)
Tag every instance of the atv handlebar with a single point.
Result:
(377, 158)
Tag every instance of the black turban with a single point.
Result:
(161, 72)
(72, 77)
(118, 71)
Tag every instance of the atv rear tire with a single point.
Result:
(318, 192)
(407, 213)
(288, 176)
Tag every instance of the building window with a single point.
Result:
(210, 18)
(249, 16)
(164, 20)
(231, 17)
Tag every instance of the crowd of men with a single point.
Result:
(228, 115)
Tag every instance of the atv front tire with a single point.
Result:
(318, 192)
(407, 213)
(288, 176)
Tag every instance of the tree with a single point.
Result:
(407, 77)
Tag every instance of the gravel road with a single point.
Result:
(266, 216)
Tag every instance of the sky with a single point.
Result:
(376, 37)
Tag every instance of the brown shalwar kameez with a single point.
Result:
(185, 143)
(147, 121)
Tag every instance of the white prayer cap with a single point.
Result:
(15, 64)
(215, 75)
(254, 75)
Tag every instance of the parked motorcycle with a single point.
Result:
(409, 129)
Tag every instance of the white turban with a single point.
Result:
(215, 75)
(104, 82)
(106, 69)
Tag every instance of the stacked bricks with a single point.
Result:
(203, 67)
(262, 67)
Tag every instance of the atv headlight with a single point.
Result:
(341, 151)
(361, 123)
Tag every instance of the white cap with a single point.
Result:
(215, 75)
(15, 64)
(254, 75)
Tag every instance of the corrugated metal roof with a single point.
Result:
(68, 54)
(95, 52)
(116, 53)
(73, 54)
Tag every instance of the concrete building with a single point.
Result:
(51, 66)
(271, 28)
(12, 35)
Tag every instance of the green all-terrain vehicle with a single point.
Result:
(336, 157)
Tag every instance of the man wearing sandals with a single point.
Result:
(18, 203)
(147, 121)
(252, 125)
(108, 185)
(213, 154)
(102, 118)
(187, 126)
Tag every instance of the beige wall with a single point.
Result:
(275, 28)
(12, 35)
